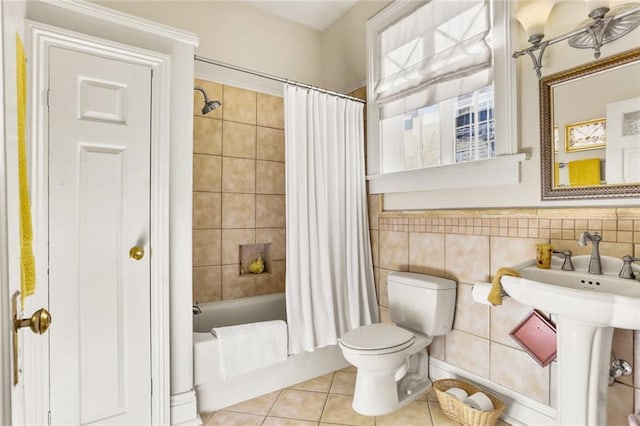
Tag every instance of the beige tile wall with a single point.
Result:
(469, 246)
(238, 191)
(239, 198)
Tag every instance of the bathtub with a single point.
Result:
(214, 392)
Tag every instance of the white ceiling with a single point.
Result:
(316, 14)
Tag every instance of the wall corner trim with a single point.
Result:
(184, 410)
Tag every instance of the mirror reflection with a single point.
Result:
(596, 123)
(591, 129)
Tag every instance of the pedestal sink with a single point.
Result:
(587, 308)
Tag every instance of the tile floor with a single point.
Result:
(325, 400)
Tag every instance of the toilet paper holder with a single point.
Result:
(480, 292)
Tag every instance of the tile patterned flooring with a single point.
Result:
(324, 401)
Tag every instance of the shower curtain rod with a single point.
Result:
(275, 78)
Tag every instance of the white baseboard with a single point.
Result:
(520, 409)
(184, 409)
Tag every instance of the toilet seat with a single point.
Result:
(377, 339)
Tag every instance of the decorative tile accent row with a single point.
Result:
(620, 225)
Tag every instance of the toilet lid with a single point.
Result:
(376, 337)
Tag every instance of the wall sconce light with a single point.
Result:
(603, 26)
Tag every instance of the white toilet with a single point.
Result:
(392, 363)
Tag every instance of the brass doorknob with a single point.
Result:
(136, 253)
(38, 323)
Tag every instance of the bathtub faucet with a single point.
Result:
(196, 308)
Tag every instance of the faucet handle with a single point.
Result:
(568, 263)
(627, 270)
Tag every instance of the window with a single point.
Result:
(440, 82)
(474, 126)
(453, 131)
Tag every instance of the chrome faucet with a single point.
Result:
(196, 308)
(595, 266)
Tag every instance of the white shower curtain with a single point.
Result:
(329, 282)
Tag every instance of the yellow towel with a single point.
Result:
(556, 175)
(495, 295)
(27, 261)
(584, 172)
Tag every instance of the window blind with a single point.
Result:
(438, 52)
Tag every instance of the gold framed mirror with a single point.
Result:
(590, 130)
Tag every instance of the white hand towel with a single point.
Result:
(247, 347)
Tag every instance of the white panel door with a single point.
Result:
(623, 141)
(99, 178)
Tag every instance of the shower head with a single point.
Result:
(209, 105)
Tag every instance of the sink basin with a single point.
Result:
(586, 310)
(602, 300)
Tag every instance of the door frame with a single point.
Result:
(41, 37)
(5, 341)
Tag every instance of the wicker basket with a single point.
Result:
(463, 414)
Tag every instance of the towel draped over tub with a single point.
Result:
(248, 347)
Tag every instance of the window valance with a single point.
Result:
(439, 51)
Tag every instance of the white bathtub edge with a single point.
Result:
(216, 394)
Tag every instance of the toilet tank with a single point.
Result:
(422, 303)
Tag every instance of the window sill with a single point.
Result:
(504, 170)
